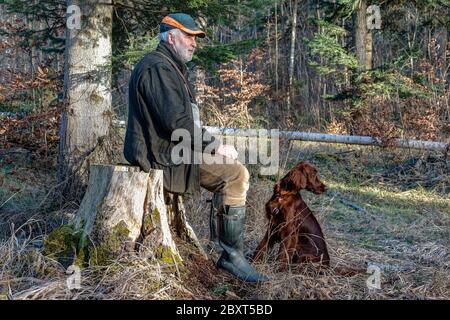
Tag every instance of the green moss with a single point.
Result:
(121, 230)
(109, 245)
(62, 244)
(148, 223)
(169, 258)
(157, 216)
(83, 238)
(67, 246)
(99, 255)
(151, 221)
(162, 253)
(81, 258)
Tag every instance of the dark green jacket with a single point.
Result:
(159, 103)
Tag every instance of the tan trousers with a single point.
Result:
(231, 180)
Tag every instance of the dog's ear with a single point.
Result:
(298, 178)
(294, 180)
(276, 188)
(313, 182)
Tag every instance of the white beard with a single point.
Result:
(183, 52)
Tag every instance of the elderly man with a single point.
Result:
(161, 100)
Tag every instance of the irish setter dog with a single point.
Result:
(293, 224)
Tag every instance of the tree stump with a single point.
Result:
(125, 208)
(156, 239)
(177, 219)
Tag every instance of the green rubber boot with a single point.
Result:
(216, 203)
(231, 238)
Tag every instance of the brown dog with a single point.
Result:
(293, 224)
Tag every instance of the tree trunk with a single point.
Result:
(86, 119)
(363, 38)
(276, 47)
(441, 36)
(292, 56)
(442, 66)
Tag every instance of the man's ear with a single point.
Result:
(170, 38)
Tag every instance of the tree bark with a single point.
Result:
(111, 213)
(276, 47)
(177, 219)
(86, 119)
(363, 38)
(292, 56)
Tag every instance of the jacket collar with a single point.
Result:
(168, 51)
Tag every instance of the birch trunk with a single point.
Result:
(335, 138)
(86, 119)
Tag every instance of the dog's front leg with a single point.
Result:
(288, 248)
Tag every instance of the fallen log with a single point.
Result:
(328, 138)
(334, 138)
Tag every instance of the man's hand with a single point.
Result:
(228, 151)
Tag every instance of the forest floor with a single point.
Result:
(384, 208)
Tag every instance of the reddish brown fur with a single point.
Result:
(293, 224)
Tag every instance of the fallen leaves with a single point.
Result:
(37, 132)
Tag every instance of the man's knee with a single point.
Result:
(235, 190)
(242, 181)
(243, 174)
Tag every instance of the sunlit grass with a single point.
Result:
(376, 195)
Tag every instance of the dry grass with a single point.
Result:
(383, 207)
(27, 274)
(402, 227)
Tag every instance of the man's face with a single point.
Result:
(183, 44)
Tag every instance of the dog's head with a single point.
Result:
(302, 176)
